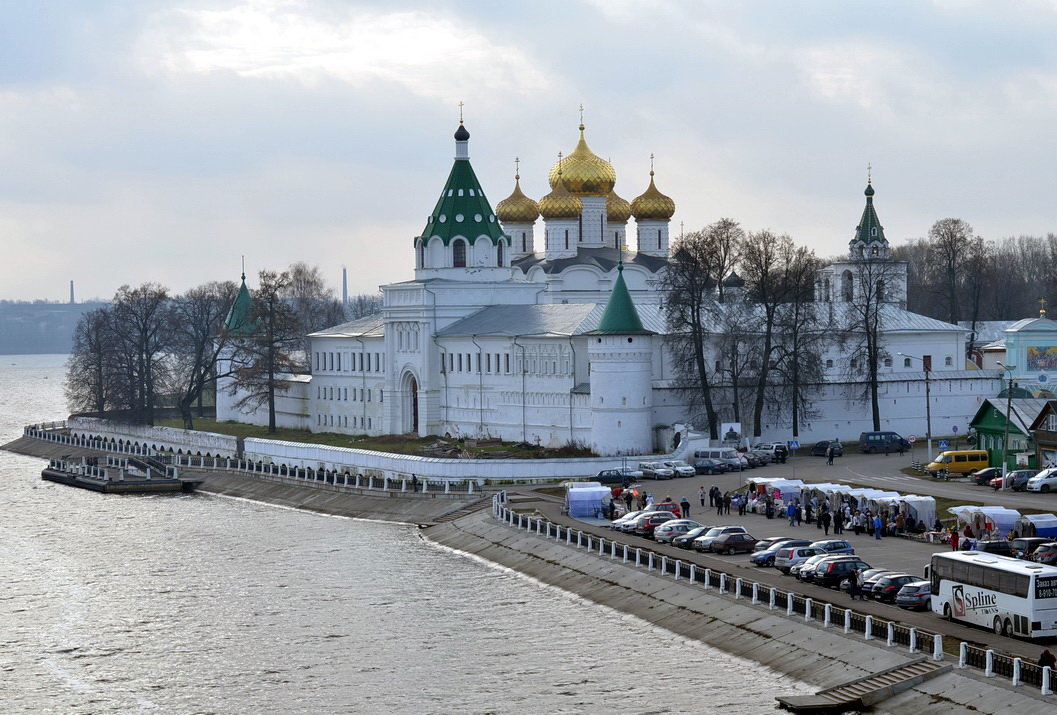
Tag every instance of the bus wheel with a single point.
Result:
(1007, 629)
(997, 626)
(947, 612)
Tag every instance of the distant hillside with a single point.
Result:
(39, 327)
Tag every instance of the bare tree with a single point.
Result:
(90, 371)
(725, 237)
(313, 305)
(138, 320)
(196, 339)
(690, 309)
(950, 245)
(262, 360)
(363, 305)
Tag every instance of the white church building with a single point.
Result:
(558, 336)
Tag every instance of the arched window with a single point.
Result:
(873, 231)
(846, 286)
(658, 239)
(906, 362)
(458, 254)
(524, 243)
(948, 361)
(825, 291)
(499, 254)
(421, 255)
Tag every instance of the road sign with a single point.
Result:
(1043, 378)
(794, 444)
(955, 429)
(912, 438)
(943, 444)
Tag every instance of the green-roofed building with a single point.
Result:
(239, 320)
(620, 316)
(869, 240)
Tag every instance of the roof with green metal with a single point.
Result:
(462, 209)
(869, 229)
(620, 316)
(239, 320)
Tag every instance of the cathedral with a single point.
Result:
(558, 337)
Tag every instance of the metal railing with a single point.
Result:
(795, 605)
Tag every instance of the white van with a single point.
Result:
(725, 455)
(1044, 481)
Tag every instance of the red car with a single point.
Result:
(646, 523)
(732, 544)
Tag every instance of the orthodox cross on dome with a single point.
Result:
(651, 163)
(244, 267)
(1042, 307)
(581, 114)
(517, 168)
(460, 112)
(869, 173)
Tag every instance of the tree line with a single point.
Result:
(148, 347)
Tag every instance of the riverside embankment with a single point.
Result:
(806, 651)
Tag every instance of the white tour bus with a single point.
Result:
(1010, 596)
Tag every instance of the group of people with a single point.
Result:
(723, 501)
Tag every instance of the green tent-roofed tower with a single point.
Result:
(620, 316)
(869, 240)
(239, 320)
(462, 209)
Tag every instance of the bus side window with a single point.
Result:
(1021, 584)
(993, 580)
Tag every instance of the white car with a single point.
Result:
(702, 543)
(1044, 481)
(618, 523)
(681, 469)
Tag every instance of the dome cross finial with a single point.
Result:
(869, 173)
(1042, 307)
(517, 168)
(244, 267)
(581, 116)
(460, 112)
(651, 163)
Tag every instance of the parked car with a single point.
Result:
(1023, 547)
(806, 571)
(871, 577)
(665, 506)
(703, 542)
(819, 449)
(623, 477)
(834, 546)
(983, 477)
(705, 465)
(649, 521)
(686, 541)
(621, 520)
(999, 547)
(916, 595)
(774, 449)
(1017, 479)
(831, 573)
(667, 531)
(731, 544)
(1044, 481)
(681, 468)
(886, 587)
(656, 470)
(786, 558)
(766, 557)
(1046, 553)
(796, 569)
(770, 541)
(874, 442)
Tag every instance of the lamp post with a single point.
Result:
(928, 400)
(1009, 415)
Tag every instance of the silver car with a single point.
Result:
(702, 543)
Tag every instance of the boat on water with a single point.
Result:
(118, 475)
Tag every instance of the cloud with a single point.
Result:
(296, 40)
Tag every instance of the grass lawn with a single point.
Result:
(398, 444)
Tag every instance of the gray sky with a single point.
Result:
(161, 140)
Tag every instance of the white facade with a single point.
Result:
(491, 339)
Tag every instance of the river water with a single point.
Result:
(201, 604)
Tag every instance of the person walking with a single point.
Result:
(859, 581)
(838, 523)
(726, 503)
(853, 584)
(791, 513)
(1047, 659)
(877, 526)
(955, 538)
(826, 518)
(829, 455)
(685, 506)
(799, 513)
(628, 497)
(701, 493)
(742, 501)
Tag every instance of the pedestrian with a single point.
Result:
(701, 493)
(726, 503)
(886, 449)
(719, 503)
(414, 483)
(649, 499)
(685, 506)
(807, 513)
(1047, 659)
(877, 526)
(838, 523)
(791, 513)
(825, 522)
(818, 520)
(628, 496)
(853, 584)
(799, 513)
(860, 580)
(768, 508)
(742, 501)
(954, 540)
(829, 455)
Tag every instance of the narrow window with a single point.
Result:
(524, 243)
(948, 361)
(499, 254)
(906, 362)
(458, 254)
(507, 362)
(658, 239)
(829, 363)
(567, 238)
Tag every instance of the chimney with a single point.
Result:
(71, 293)
(344, 286)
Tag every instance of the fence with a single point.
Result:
(795, 605)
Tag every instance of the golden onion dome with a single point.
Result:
(617, 209)
(584, 173)
(559, 203)
(652, 205)
(517, 208)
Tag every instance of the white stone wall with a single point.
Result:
(158, 438)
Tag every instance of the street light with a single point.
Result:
(1009, 415)
(928, 400)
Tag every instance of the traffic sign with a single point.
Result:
(912, 438)
(943, 444)
(1043, 378)
(794, 444)
(955, 429)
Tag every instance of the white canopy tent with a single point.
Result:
(923, 509)
(995, 521)
(1037, 525)
(586, 498)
